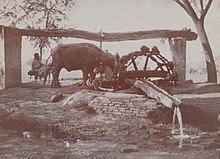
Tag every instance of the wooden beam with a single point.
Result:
(134, 63)
(110, 37)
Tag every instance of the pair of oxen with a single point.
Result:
(78, 56)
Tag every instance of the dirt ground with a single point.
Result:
(34, 127)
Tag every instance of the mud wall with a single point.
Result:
(10, 57)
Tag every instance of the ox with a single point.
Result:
(79, 56)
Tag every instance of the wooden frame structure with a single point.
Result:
(11, 41)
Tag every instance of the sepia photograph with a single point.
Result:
(110, 79)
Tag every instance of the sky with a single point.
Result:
(120, 15)
(137, 15)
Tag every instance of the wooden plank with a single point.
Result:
(157, 93)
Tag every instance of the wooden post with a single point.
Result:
(2, 61)
(178, 49)
(101, 36)
(11, 53)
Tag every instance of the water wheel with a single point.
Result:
(145, 64)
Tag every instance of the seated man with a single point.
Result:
(36, 64)
(37, 67)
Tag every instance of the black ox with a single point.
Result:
(79, 56)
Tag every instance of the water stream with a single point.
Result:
(177, 113)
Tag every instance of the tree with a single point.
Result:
(49, 14)
(197, 10)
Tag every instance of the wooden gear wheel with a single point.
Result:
(145, 64)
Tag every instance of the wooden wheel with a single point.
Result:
(144, 65)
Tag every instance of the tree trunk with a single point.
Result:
(41, 53)
(210, 63)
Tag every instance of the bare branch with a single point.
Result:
(181, 5)
(201, 4)
(188, 8)
(204, 12)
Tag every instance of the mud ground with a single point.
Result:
(34, 127)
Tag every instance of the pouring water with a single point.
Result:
(181, 137)
(177, 113)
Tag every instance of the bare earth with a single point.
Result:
(34, 127)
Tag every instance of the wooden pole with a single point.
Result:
(101, 36)
(110, 37)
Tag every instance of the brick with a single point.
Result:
(104, 109)
(111, 104)
(105, 112)
(115, 110)
(117, 105)
(105, 104)
(128, 111)
(143, 113)
(117, 113)
(132, 105)
(140, 115)
(124, 105)
(111, 108)
(129, 114)
(136, 111)
(122, 108)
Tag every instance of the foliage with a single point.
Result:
(40, 14)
